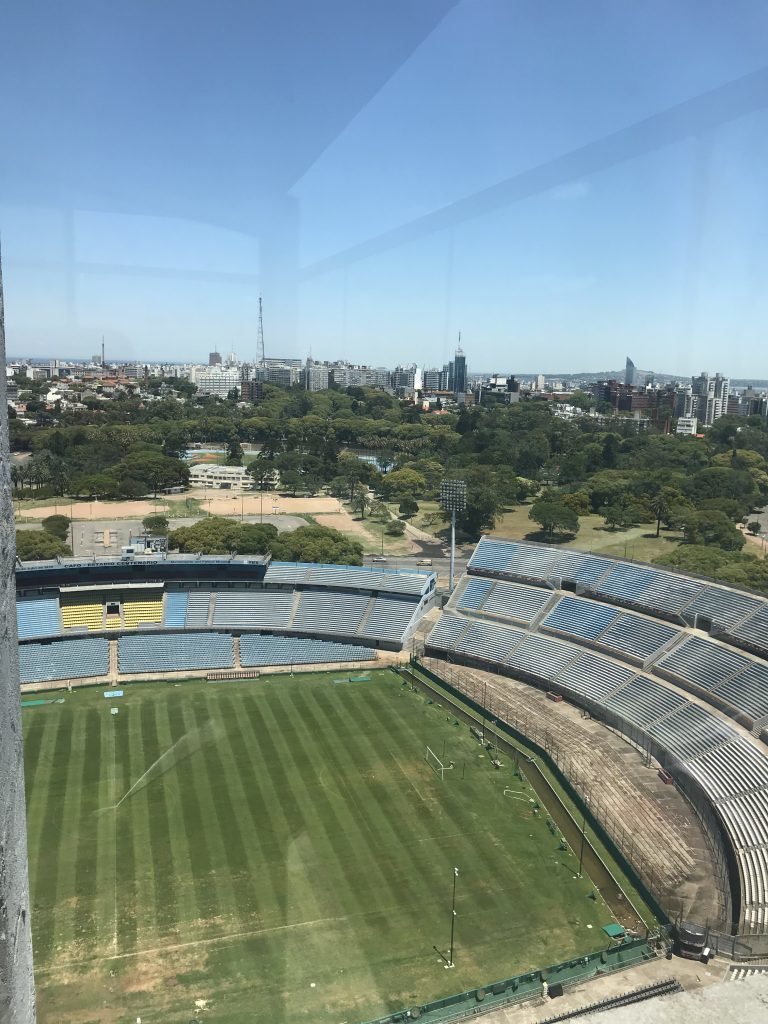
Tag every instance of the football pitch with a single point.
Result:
(280, 849)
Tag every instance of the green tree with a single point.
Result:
(553, 516)
(402, 482)
(234, 451)
(57, 526)
(215, 535)
(712, 528)
(361, 502)
(317, 544)
(408, 505)
(754, 527)
(156, 525)
(395, 528)
(32, 545)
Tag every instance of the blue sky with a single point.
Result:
(164, 163)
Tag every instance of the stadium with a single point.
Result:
(298, 754)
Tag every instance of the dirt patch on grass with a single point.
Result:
(343, 522)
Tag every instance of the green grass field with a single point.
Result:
(281, 849)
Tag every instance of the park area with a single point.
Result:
(279, 849)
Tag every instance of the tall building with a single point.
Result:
(316, 376)
(17, 991)
(214, 359)
(629, 373)
(459, 372)
(711, 397)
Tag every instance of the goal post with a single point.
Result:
(436, 764)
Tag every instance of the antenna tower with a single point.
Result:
(260, 338)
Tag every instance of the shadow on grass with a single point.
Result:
(541, 537)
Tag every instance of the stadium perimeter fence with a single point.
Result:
(522, 987)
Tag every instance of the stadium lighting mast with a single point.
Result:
(453, 914)
(453, 499)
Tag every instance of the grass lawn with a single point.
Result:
(280, 848)
(637, 542)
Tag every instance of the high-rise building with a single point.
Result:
(459, 372)
(316, 376)
(711, 397)
(629, 373)
(214, 359)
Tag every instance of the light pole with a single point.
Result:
(453, 915)
(453, 499)
(581, 850)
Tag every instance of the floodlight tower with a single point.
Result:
(453, 499)
(260, 339)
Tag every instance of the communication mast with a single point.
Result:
(260, 339)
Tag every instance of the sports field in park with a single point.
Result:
(280, 850)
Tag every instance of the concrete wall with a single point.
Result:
(17, 994)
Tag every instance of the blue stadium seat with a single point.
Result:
(174, 653)
(77, 658)
(38, 616)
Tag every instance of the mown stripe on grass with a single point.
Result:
(87, 883)
(380, 831)
(65, 923)
(337, 881)
(237, 860)
(195, 829)
(154, 793)
(53, 785)
(370, 878)
(126, 836)
(257, 825)
(175, 784)
(196, 773)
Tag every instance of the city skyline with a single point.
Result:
(553, 185)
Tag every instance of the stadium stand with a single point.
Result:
(643, 700)
(175, 613)
(285, 650)
(489, 641)
(353, 577)
(702, 662)
(754, 630)
(198, 603)
(38, 617)
(338, 611)
(747, 691)
(593, 676)
(84, 613)
(390, 618)
(138, 611)
(636, 638)
(725, 607)
(254, 608)
(575, 617)
(447, 631)
(542, 656)
(74, 658)
(474, 594)
(516, 601)
(174, 653)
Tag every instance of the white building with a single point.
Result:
(686, 425)
(217, 382)
(227, 477)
